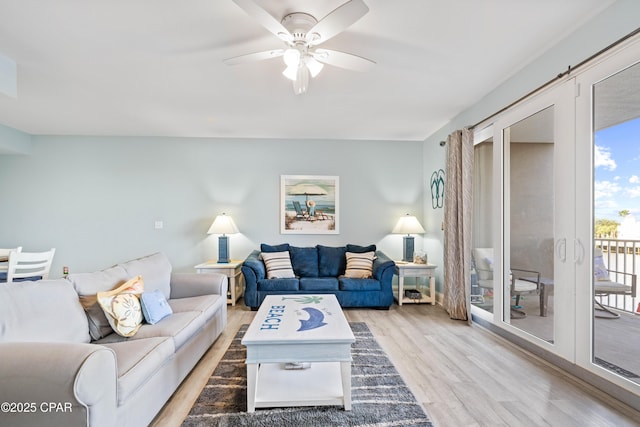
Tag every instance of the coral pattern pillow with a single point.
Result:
(122, 307)
(360, 265)
(278, 265)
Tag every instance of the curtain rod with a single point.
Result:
(561, 75)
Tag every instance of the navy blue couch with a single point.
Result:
(318, 270)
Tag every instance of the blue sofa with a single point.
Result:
(320, 270)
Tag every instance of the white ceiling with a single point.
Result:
(154, 67)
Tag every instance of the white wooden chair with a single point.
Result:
(4, 261)
(25, 266)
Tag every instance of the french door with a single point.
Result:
(608, 171)
(543, 174)
(523, 222)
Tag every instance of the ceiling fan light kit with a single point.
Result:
(302, 32)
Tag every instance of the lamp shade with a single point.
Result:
(408, 224)
(223, 224)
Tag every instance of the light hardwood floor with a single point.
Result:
(463, 375)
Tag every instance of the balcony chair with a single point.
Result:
(483, 259)
(25, 266)
(604, 286)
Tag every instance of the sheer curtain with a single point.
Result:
(457, 225)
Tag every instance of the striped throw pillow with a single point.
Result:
(360, 266)
(278, 265)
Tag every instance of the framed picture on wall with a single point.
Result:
(309, 204)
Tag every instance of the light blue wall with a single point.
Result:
(96, 199)
(434, 160)
(13, 141)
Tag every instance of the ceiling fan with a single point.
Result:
(302, 33)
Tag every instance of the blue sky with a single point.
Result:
(617, 170)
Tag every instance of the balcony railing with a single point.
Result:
(623, 256)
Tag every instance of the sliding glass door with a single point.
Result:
(556, 221)
(523, 219)
(608, 130)
(483, 296)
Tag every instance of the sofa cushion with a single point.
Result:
(304, 261)
(349, 284)
(278, 265)
(278, 285)
(154, 306)
(331, 261)
(156, 270)
(319, 284)
(46, 310)
(360, 249)
(274, 248)
(137, 361)
(359, 265)
(87, 285)
(206, 304)
(179, 326)
(122, 306)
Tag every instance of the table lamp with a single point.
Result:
(223, 225)
(408, 224)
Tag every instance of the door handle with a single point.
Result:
(579, 251)
(561, 249)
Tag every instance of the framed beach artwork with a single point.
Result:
(309, 204)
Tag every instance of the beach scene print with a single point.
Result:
(309, 204)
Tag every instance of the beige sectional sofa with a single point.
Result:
(62, 365)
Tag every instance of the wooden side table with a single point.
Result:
(410, 269)
(232, 270)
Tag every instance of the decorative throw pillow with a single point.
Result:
(154, 306)
(600, 272)
(122, 307)
(360, 265)
(278, 265)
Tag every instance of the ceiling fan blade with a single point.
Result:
(337, 21)
(258, 56)
(343, 59)
(265, 19)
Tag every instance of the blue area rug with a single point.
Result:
(379, 395)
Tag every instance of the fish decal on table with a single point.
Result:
(315, 320)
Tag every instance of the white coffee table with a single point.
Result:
(308, 329)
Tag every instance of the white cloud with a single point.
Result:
(604, 194)
(634, 179)
(602, 158)
(632, 192)
(605, 188)
(606, 204)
